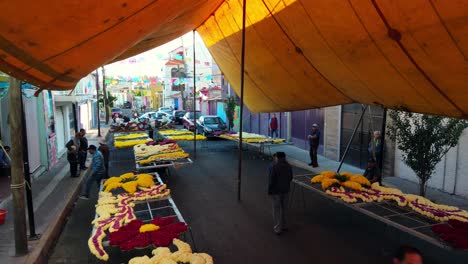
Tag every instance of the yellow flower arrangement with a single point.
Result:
(352, 185)
(317, 179)
(328, 174)
(148, 228)
(360, 179)
(186, 137)
(130, 136)
(184, 254)
(130, 143)
(130, 186)
(164, 156)
(175, 132)
(329, 182)
(129, 182)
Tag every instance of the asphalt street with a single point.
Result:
(235, 231)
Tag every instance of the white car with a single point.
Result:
(165, 109)
(159, 116)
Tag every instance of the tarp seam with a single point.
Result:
(384, 56)
(232, 51)
(303, 55)
(442, 22)
(410, 57)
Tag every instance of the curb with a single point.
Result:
(40, 253)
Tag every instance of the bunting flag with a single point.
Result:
(208, 78)
(197, 61)
(173, 80)
(207, 63)
(178, 57)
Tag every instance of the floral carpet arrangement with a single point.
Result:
(180, 134)
(145, 154)
(353, 188)
(454, 232)
(159, 232)
(115, 211)
(127, 136)
(251, 138)
(129, 182)
(183, 254)
(130, 140)
(175, 132)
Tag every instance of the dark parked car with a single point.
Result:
(178, 115)
(127, 105)
(207, 125)
(187, 120)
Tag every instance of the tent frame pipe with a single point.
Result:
(382, 144)
(194, 103)
(351, 139)
(241, 112)
(97, 99)
(27, 178)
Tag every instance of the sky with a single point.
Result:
(151, 62)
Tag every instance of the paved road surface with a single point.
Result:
(238, 232)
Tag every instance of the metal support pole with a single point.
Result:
(27, 178)
(75, 117)
(194, 98)
(239, 169)
(383, 130)
(97, 98)
(104, 91)
(17, 166)
(351, 139)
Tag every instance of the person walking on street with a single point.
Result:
(279, 181)
(104, 149)
(273, 126)
(73, 147)
(98, 170)
(374, 147)
(83, 151)
(314, 141)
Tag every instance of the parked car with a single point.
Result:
(207, 125)
(178, 115)
(159, 116)
(127, 105)
(116, 112)
(187, 120)
(165, 109)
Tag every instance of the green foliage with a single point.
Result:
(424, 140)
(110, 99)
(230, 109)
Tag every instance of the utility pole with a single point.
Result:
(97, 98)
(104, 90)
(17, 176)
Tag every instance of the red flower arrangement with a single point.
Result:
(455, 233)
(136, 234)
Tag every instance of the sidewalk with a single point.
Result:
(300, 158)
(54, 194)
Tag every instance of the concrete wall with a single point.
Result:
(450, 175)
(332, 132)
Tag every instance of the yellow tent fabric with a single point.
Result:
(53, 44)
(303, 54)
(300, 53)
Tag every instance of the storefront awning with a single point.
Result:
(300, 54)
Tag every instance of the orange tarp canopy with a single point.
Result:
(300, 54)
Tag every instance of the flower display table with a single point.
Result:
(163, 155)
(152, 209)
(411, 214)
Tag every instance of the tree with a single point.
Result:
(424, 140)
(231, 104)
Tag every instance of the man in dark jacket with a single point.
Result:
(83, 151)
(314, 141)
(72, 154)
(104, 149)
(279, 180)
